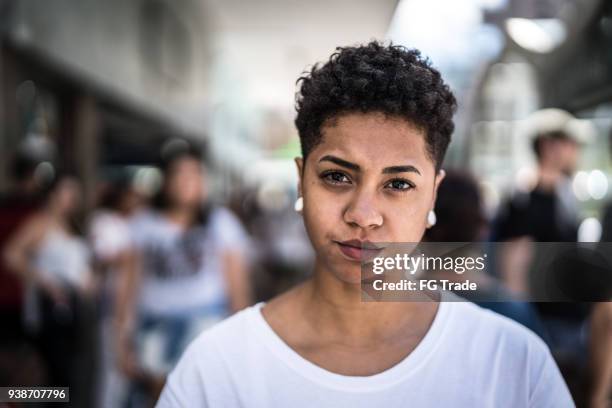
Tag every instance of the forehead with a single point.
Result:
(374, 140)
(185, 163)
(68, 183)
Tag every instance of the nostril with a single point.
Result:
(364, 219)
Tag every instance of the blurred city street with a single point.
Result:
(113, 113)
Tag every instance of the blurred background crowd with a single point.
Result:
(147, 178)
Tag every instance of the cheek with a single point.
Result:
(69, 199)
(406, 221)
(176, 190)
(193, 187)
(322, 212)
(186, 188)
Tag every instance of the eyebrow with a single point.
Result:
(355, 167)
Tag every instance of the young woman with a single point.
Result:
(50, 255)
(188, 272)
(374, 123)
(112, 247)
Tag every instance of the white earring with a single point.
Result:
(431, 218)
(299, 205)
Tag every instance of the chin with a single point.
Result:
(350, 273)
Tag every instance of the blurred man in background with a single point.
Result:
(548, 213)
(461, 218)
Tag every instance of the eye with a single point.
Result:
(335, 177)
(400, 185)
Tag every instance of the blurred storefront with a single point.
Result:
(101, 83)
(556, 54)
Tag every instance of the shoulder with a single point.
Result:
(145, 223)
(479, 332)
(209, 361)
(35, 227)
(491, 329)
(226, 336)
(227, 227)
(221, 216)
(104, 224)
(38, 220)
(506, 344)
(226, 331)
(144, 217)
(496, 349)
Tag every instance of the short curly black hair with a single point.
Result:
(389, 79)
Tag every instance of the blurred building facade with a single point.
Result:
(101, 82)
(556, 54)
(107, 83)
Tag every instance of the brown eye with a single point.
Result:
(400, 185)
(335, 177)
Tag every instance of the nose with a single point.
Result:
(362, 212)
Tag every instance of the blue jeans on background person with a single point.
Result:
(160, 341)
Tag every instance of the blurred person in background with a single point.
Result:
(16, 206)
(601, 331)
(112, 245)
(548, 213)
(460, 217)
(191, 272)
(282, 255)
(600, 347)
(606, 219)
(374, 123)
(52, 259)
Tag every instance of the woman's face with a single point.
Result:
(66, 197)
(185, 182)
(369, 180)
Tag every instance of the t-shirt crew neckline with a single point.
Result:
(401, 371)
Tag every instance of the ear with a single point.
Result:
(299, 163)
(437, 180)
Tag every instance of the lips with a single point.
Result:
(357, 250)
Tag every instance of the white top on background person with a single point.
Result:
(109, 234)
(48, 254)
(183, 270)
(64, 258)
(190, 255)
(187, 271)
(374, 123)
(46, 250)
(469, 358)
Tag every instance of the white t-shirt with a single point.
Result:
(470, 357)
(109, 234)
(63, 258)
(183, 270)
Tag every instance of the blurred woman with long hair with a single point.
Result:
(189, 272)
(50, 255)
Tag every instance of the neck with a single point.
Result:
(55, 212)
(181, 215)
(58, 217)
(549, 177)
(334, 308)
